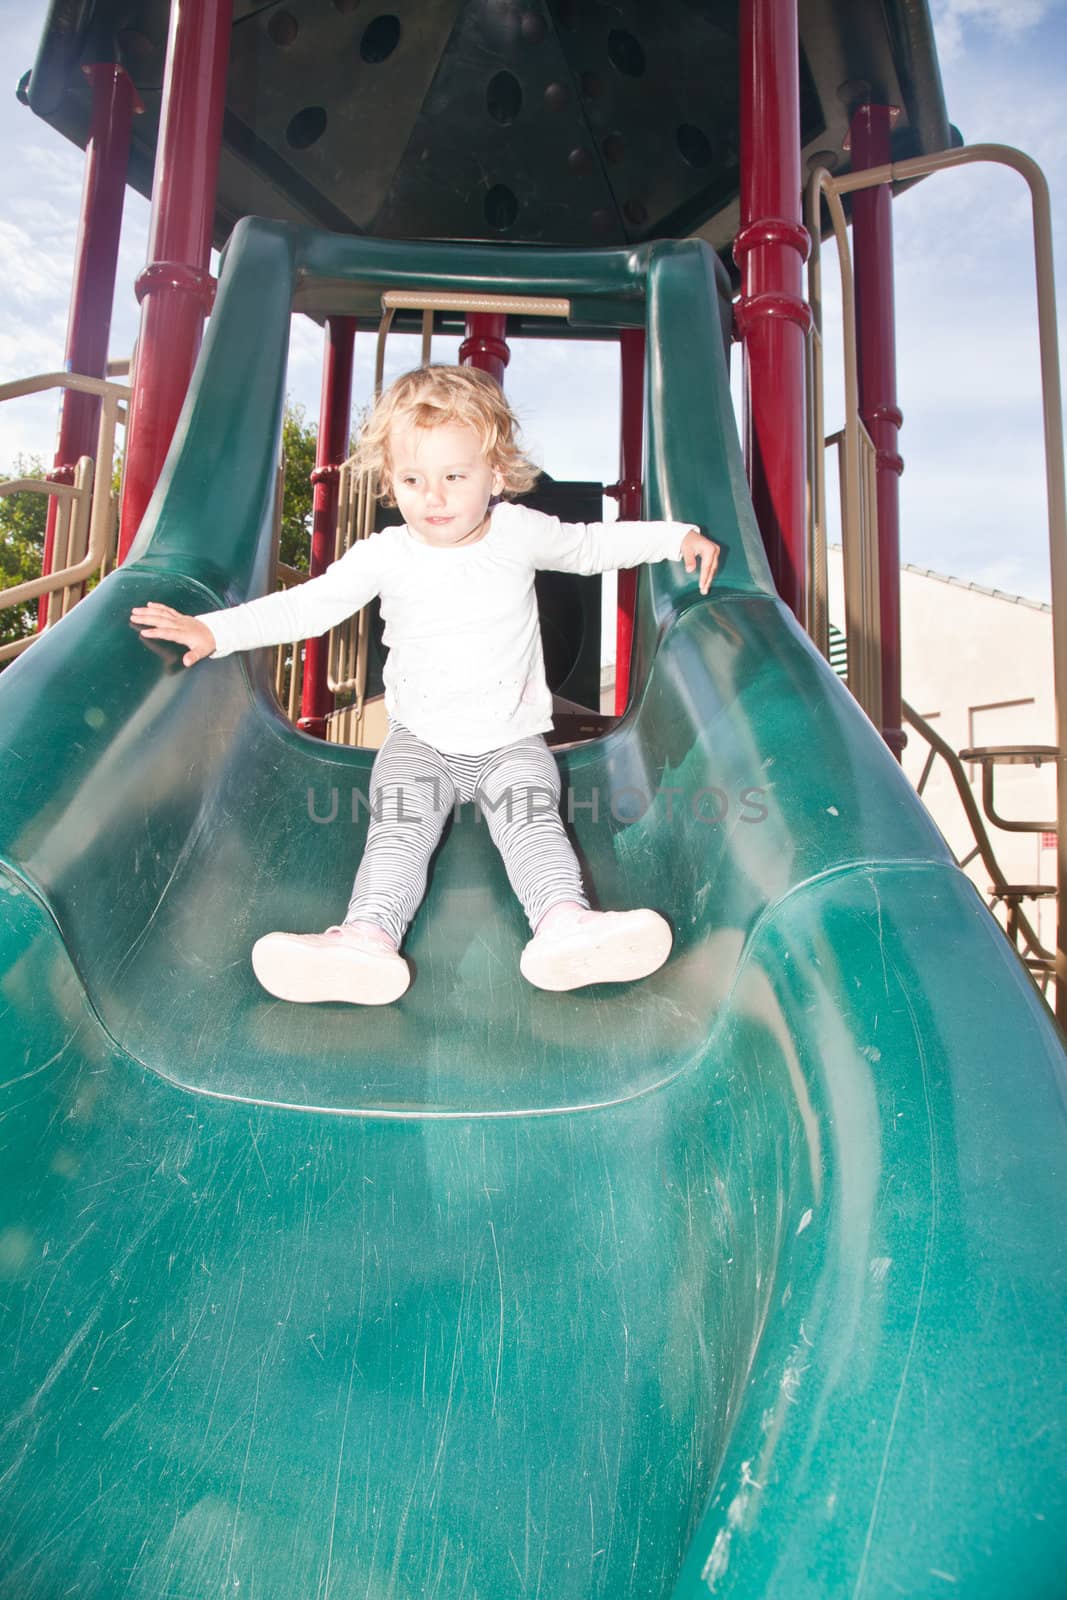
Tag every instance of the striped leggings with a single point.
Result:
(413, 790)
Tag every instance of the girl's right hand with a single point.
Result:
(163, 622)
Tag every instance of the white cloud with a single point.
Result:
(567, 401)
(28, 428)
(1008, 18)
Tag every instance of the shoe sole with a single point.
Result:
(628, 945)
(289, 970)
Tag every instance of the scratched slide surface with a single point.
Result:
(747, 1280)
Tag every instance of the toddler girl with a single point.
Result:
(465, 689)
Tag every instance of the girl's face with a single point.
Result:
(442, 483)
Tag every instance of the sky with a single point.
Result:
(972, 494)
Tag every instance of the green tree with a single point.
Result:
(22, 524)
(298, 444)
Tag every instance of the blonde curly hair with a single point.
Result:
(430, 397)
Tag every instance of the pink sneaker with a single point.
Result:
(340, 964)
(596, 947)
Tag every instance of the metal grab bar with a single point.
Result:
(859, 537)
(1043, 960)
(41, 381)
(92, 487)
(518, 305)
(988, 757)
(63, 577)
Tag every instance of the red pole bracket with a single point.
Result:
(486, 344)
(179, 277)
(749, 311)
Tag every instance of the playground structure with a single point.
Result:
(747, 1281)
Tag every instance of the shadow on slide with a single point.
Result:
(747, 1280)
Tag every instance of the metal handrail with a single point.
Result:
(823, 184)
(862, 517)
(349, 640)
(1001, 888)
(91, 488)
(425, 300)
(288, 658)
(63, 577)
(859, 541)
(72, 537)
(18, 388)
(988, 757)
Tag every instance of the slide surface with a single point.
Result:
(747, 1280)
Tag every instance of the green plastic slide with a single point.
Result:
(746, 1281)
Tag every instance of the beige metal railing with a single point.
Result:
(288, 658)
(86, 524)
(856, 541)
(1020, 930)
(862, 591)
(515, 305)
(349, 641)
(859, 522)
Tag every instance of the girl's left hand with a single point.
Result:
(696, 548)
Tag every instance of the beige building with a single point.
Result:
(977, 665)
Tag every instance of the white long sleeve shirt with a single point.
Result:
(465, 670)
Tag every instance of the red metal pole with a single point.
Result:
(772, 316)
(872, 231)
(92, 294)
(631, 444)
(176, 288)
(486, 344)
(331, 449)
